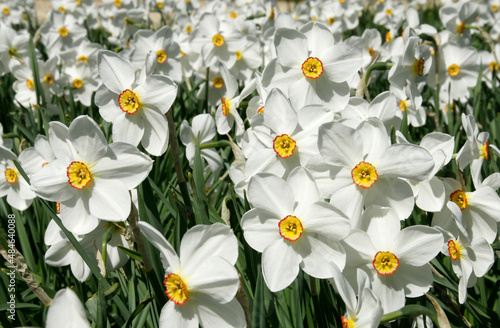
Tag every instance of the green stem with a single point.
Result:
(376, 67)
(410, 311)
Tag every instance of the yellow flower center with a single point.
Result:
(49, 78)
(226, 106)
(233, 15)
(78, 2)
(312, 68)
(284, 146)
(218, 82)
(385, 263)
(418, 67)
(403, 104)
(83, 59)
(118, 3)
(271, 14)
(177, 290)
(11, 175)
(238, 55)
(162, 56)
(455, 249)
(460, 198)
(78, 175)
(453, 70)
(77, 83)
(331, 20)
(372, 52)
(218, 40)
(388, 12)
(494, 8)
(13, 52)
(58, 207)
(347, 323)
(160, 5)
(485, 151)
(30, 84)
(6, 11)
(461, 28)
(493, 66)
(189, 29)
(128, 101)
(63, 32)
(290, 228)
(313, 18)
(341, 1)
(260, 110)
(364, 175)
(62, 10)
(182, 53)
(388, 36)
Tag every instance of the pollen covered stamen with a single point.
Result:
(418, 67)
(453, 70)
(63, 32)
(11, 175)
(128, 101)
(162, 56)
(290, 228)
(284, 146)
(364, 175)
(6, 11)
(260, 110)
(385, 263)
(347, 323)
(177, 290)
(226, 106)
(48, 78)
(493, 66)
(485, 151)
(78, 175)
(30, 84)
(218, 40)
(312, 68)
(403, 105)
(454, 248)
(460, 198)
(77, 83)
(238, 55)
(218, 82)
(83, 59)
(461, 28)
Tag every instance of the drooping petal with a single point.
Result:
(168, 257)
(280, 265)
(155, 138)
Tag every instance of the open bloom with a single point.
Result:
(293, 228)
(202, 282)
(363, 168)
(135, 103)
(90, 178)
(310, 68)
(12, 183)
(366, 311)
(394, 259)
(471, 259)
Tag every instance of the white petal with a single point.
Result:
(66, 310)
(116, 73)
(221, 315)
(272, 194)
(280, 265)
(168, 257)
(181, 316)
(109, 200)
(88, 139)
(261, 228)
(155, 138)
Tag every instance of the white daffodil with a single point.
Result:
(66, 310)
(310, 68)
(90, 178)
(293, 228)
(81, 82)
(227, 113)
(476, 149)
(12, 183)
(366, 311)
(471, 259)
(61, 252)
(135, 102)
(36, 157)
(167, 51)
(395, 260)
(455, 17)
(480, 210)
(282, 138)
(360, 167)
(60, 32)
(14, 46)
(202, 130)
(202, 282)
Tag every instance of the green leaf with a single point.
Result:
(132, 254)
(137, 311)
